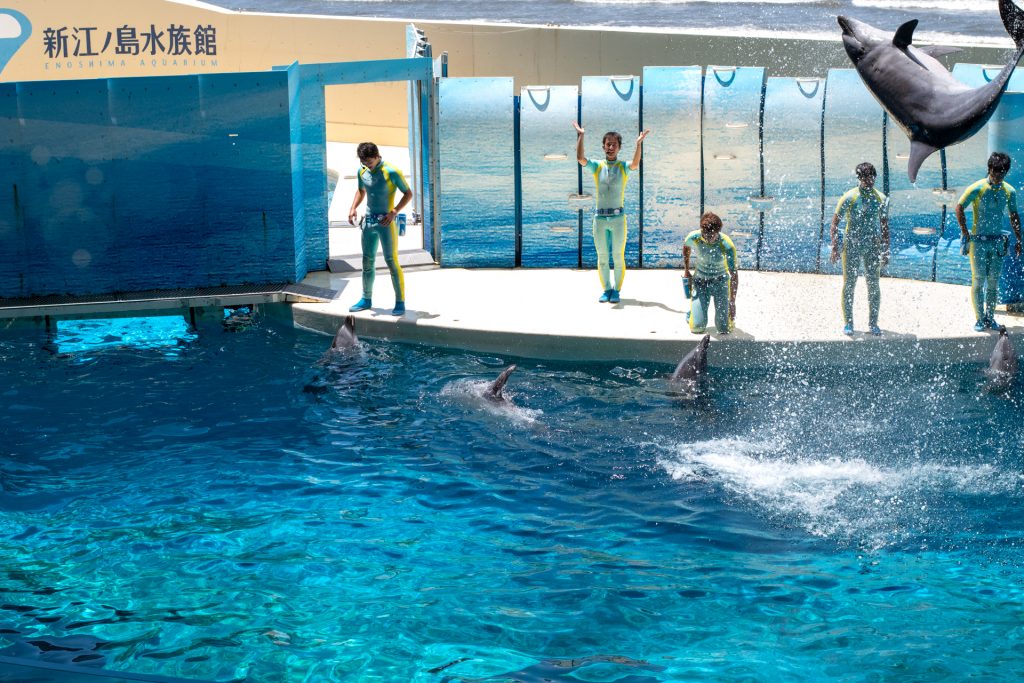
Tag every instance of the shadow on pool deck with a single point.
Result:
(782, 318)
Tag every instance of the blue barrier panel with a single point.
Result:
(153, 183)
(549, 174)
(966, 162)
(915, 211)
(733, 97)
(64, 136)
(792, 174)
(12, 233)
(672, 163)
(853, 132)
(476, 172)
(612, 103)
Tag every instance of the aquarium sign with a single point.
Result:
(91, 47)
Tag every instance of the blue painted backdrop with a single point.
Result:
(146, 183)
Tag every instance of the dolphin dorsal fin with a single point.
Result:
(905, 35)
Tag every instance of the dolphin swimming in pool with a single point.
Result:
(345, 338)
(494, 392)
(694, 364)
(1003, 365)
(934, 109)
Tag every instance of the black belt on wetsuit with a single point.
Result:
(987, 238)
(378, 217)
(609, 213)
(708, 281)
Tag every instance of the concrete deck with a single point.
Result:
(782, 318)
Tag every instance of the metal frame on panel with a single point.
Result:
(612, 103)
(852, 132)
(793, 208)
(733, 171)
(548, 175)
(672, 161)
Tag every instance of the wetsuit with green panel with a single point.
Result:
(714, 264)
(610, 219)
(988, 244)
(864, 210)
(380, 185)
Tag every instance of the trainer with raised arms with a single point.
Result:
(610, 176)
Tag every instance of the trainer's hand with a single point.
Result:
(388, 218)
(1016, 249)
(834, 256)
(352, 217)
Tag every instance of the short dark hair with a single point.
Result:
(866, 169)
(367, 150)
(999, 161)
(613, 134)
(710, 221)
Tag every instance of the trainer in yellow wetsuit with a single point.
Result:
(716, 275)
(865, 241)
(378, 181)
(610, 176)
(988, 199)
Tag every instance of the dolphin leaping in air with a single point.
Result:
(934, 109)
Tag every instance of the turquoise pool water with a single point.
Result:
(231, 507)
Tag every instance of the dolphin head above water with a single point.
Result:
(934, 109)
(345, 337)
(1002, 365)
(695, 363)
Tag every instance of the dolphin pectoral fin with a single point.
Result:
(905, 35)
(938, 50)
(919, 151)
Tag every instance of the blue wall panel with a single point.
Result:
(612, 103)
(853, 132)
(672, 162)
(732, 153)
(915, 211)
(476, 172)
(13, 276)
(149, 183)
(792, 174)
(549, 175)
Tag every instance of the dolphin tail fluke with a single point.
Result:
(919, 151)
(495, 389)
(1013, 21)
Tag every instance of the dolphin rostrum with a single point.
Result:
(694, 364)
(494, 392)
(346, 338)
(1002, 366)
(934, 109)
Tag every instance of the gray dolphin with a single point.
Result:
(494, 392)
(345, 338)
(934, 109)
(694, 364)
(1002, 366)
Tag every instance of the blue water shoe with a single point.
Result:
(993, 325)
(875, 330)
(399, 308)
(848, 329)
(979, 326)
(361, 305)
(614, 298)
(605, 297)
